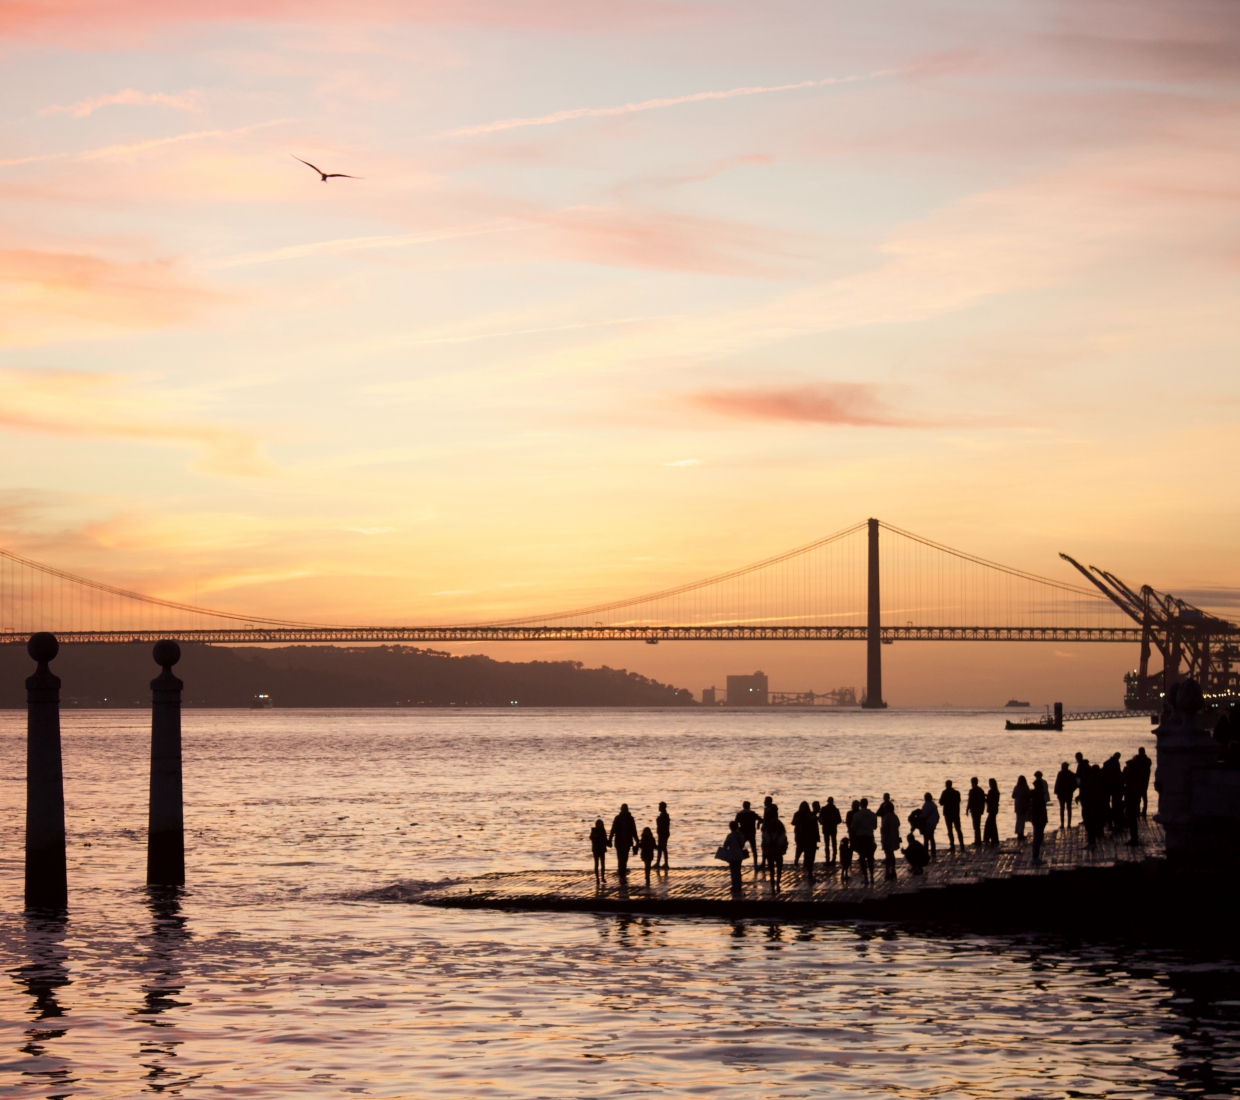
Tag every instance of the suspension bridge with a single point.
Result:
(871, 582)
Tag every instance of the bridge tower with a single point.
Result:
(874, 629)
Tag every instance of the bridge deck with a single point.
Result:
(706, 890)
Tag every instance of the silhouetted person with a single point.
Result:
(748, 821)
(767, 803)
(1037, 817)
(1020, 804)
(774, 844)
(1065, 788)
(805, 829)
(976, 805)
(845, 859)
(599, 845)
(1113, 784)
(1131, 776)
(991, 833)
(1144, 764)
(799, 816)
(950, 801)
(1040, 789)
(829, 818)
(623, 837)
(929, 822)
(1094, 803)
(646, 847)
(864, 823)
(916, 854)
(889, 835)
(732, 850)
(663, 830)
(848, 820)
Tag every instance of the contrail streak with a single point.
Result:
(652, 105)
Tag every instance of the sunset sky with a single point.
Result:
(627, 293)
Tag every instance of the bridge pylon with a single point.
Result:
(874, 628)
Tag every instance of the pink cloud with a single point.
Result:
(55, 296)
(96, 24)
(129, 96)
(855, 404)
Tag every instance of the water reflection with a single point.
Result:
(44, 972)
(162, 983)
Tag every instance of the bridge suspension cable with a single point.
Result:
(817, 591)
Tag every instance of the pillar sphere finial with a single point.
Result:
(42, 647)
(166, 653)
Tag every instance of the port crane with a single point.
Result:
(1182, 634)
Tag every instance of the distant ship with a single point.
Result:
(262, 702)
(1015, 703)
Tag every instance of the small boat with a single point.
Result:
(1015, 703)
(262, 702)
(1048, 721)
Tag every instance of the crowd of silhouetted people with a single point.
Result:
(1112, 796)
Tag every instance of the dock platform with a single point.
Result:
(1111, 885)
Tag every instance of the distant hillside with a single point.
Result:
(333, 676)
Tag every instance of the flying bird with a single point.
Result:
(325, 176)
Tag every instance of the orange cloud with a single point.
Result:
(77, 403)
(842, 403)
(54, 296)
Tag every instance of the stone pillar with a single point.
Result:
(46, 882)
(1185, 750)
(165, 840)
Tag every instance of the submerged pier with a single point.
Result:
(1112, 887)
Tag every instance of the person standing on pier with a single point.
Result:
(993, 798)
(928, 823)
(774, 844)
(976, 806)
(950, 801)
(1132, 799)
(748, 821)
(1113, 785)
(845, 859)
(1144, 764)
(732, 851)
(767, 803)
(1065, 788)
(1020, 803)
(805, 828)
(889, 835)
(1037, 816)
(829, 817)
(799, 830)
(623, 837)
(599, 845)
(647, 846)
(1093, 803)
(662, 829)
(864, 823)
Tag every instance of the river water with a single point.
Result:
(275, 976)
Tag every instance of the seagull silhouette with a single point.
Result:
(325, 176)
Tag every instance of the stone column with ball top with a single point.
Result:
(165, 843)
(46, 885)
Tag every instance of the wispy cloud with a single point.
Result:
(359, 244)
(79, 403)
(856, 404)
(57, 296)
(128, 96)
(653, 104)
(108, 151)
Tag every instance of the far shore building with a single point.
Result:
(748, 691)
